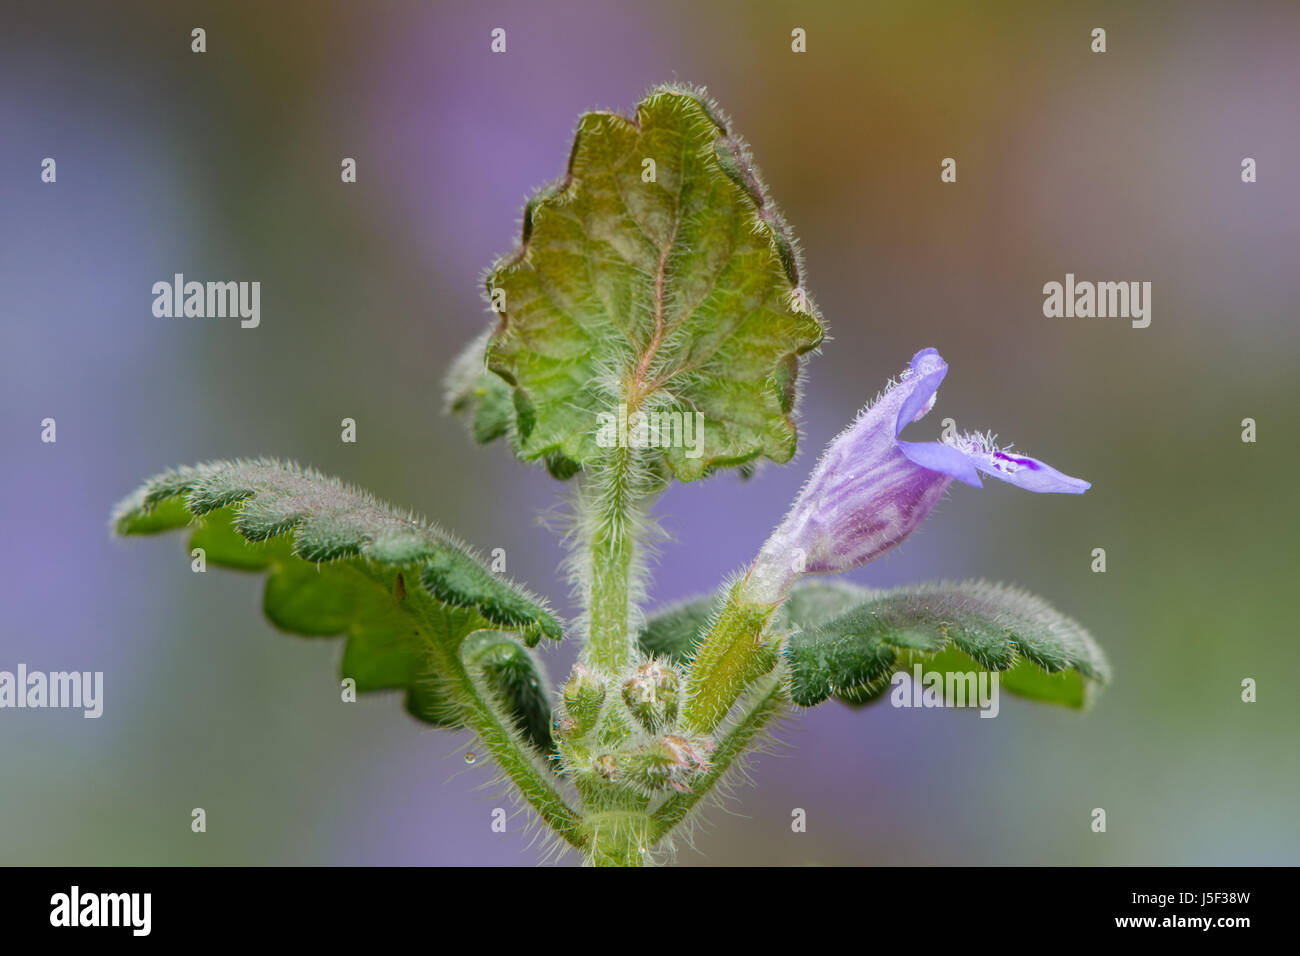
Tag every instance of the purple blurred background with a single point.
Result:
(1116, 166)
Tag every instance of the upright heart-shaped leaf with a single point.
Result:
(656, 279)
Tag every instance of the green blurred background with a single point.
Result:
(1116, 166)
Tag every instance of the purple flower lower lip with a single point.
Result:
(967, 455)
(871, 489)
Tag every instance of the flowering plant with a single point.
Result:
(650, 327)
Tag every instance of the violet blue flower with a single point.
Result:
(871, 489)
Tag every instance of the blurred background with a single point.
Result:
(225, 165)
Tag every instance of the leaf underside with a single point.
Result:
(847, 642)
(340, 562)
(677, 295)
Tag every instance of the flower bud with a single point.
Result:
(665, 763)
(584, 694)
(651, 695)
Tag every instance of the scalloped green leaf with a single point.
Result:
(813, 601)
(386, 649)
(514, 676)
(325, 520)
(852, 652)
(339, 562)
(481, 398)
(674, 631)
(674, 293)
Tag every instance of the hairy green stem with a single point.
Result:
(480, 712)
(608, 517)
(615, 827)
(613, 510)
